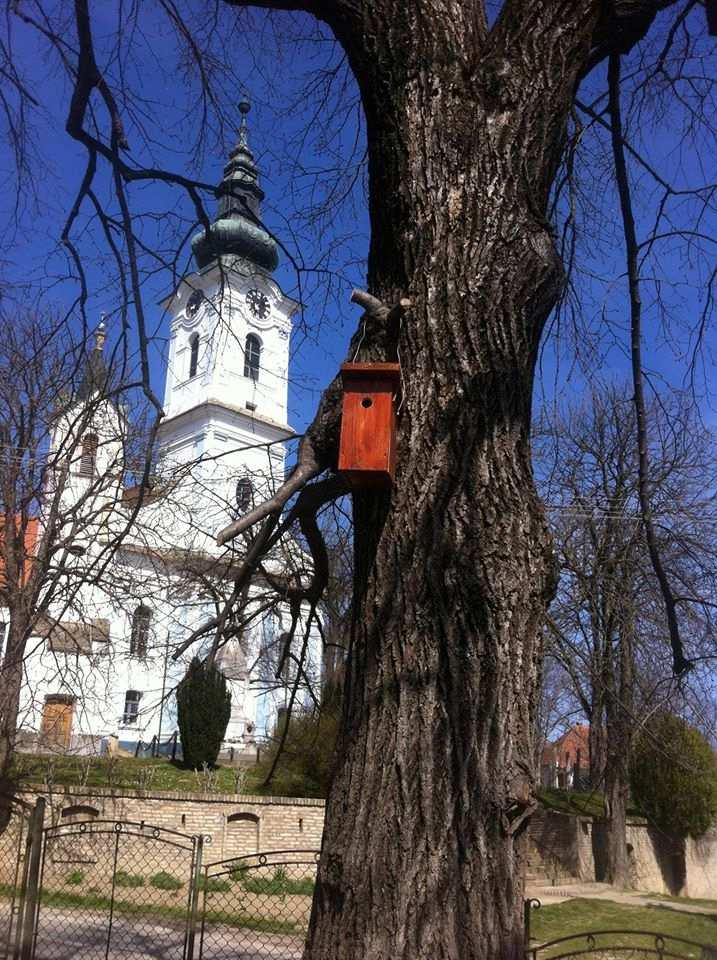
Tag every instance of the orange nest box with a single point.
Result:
(367, 450)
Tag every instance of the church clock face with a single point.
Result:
(258, 304)
(194, 303)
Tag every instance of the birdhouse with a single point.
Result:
(367, 451)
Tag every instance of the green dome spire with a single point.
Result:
(236, 230)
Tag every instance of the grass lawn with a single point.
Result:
(128, 772)
(569, 801)
(161, 774)
(578, 916)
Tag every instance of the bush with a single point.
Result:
(203, 710)
(214, 885)
(278, 885)
(124, 879)
(165, 881)
(75, 878)
(307, 760)
(673, 776)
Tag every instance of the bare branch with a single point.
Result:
(318, 450)
(680, 663)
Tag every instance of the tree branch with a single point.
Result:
(377, 333)
(679, 661)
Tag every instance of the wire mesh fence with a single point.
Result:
(256, 906)
(14, 825)
(102, 889)
(108, 888)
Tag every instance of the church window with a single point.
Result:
(141, 619)
(252, 356)
(193, 354)
(244, 493)
(131, 707)
(88, 457)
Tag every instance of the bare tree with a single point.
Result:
(606, 627)
(65, 436)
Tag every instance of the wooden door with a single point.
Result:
(57, 715)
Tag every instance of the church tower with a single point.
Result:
(226, 390)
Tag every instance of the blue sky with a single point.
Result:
(309, 144)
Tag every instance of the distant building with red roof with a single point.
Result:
(566, 761)
(31, 535)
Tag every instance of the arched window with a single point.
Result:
(193, 354)
(88, 458)
(80, 811)
(252, 356)
(244, 494)
(141, 619)
(131, 707)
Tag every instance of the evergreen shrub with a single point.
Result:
(306, 763)
(673, 777)
(203, 710)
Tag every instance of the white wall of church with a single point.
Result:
(209, 441)
(221, 450)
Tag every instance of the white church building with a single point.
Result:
(105, 670)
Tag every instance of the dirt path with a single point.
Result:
(67, 934)
(603, 891)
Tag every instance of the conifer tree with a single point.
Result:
(203, 709)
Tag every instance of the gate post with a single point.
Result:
(528, 905)
(194, 898)
(33, 859)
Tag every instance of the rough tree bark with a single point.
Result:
(422, 848)
(619, 728)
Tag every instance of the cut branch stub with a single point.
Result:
(319, 447)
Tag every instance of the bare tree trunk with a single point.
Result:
(596, 738)
(617, 864)
(423, 848)
(11, 674)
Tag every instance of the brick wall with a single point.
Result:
(564, 845)
(235, 825)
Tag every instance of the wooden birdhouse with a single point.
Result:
(367, 451)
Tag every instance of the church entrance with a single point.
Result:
(57, 715)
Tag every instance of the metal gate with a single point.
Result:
(613, 944)
(20, 848)
(111, 888)
(257, 905)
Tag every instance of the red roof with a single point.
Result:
(31, 535)
(564, 750)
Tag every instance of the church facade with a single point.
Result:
(106, 666)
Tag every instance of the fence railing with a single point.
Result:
(109, 888)
(20, 854)
(612, 944)
(99, 888)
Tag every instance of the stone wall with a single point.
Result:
(236, 825)
(571, 846)
(563, 846)
(687, 869)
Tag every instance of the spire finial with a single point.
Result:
(101, 333)
(244, 108)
